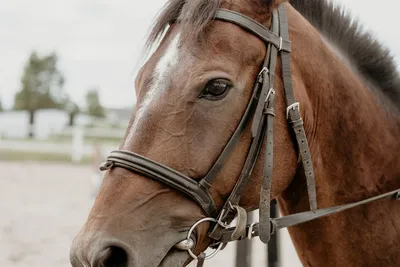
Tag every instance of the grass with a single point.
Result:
(10, 155)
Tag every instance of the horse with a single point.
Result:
(214, 63)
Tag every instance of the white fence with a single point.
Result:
(15, 124)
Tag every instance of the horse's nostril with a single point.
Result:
(113, 257)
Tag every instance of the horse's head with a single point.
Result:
(191, 96)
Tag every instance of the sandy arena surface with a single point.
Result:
(42, 206)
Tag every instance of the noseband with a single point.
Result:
(260, 110)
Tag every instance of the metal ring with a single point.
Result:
(190, 233)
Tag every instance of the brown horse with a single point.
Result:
(191, 95)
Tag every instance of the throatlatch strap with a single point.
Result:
(293, 113)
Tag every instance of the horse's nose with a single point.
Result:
(99, 253)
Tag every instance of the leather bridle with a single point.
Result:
(260, 110)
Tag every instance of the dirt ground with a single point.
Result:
(42, 206)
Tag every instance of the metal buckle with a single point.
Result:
(262, 71)
(292, 107)
(188, 243)
(250, 232)
(220, 222)
(270, 92)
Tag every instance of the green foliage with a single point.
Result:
(41, 84)
(1, 107)
(71, 107)
(94, 107)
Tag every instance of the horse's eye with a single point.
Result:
(216, 89)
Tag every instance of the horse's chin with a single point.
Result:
(176, 258)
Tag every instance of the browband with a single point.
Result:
(255, 27)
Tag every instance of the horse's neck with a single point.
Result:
(356, 153)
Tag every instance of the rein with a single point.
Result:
(261, 108)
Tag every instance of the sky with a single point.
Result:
(99, 42)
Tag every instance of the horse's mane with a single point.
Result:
(369, 56)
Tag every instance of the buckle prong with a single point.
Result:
(270, 92)
(261, 73)
(219, 221)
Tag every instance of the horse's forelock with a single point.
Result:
(194, 16)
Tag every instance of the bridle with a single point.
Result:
(261, 109)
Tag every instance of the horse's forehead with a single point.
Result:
(178, 60)
(160, 81)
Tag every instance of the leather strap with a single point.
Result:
(254, 27)
(259, 128)
(140, 164)
(200, 259)
(227, 213)
(269, 111)
(263, 78)
(293, 113)
(302, 217)
(229, 147)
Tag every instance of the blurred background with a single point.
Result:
(67, 72)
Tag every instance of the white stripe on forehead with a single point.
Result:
(160, 81)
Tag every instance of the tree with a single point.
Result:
(41, 86)
(72, 109)
(1, 107)
(94, 107)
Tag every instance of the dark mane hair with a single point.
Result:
(194, 16)
(371, 59)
